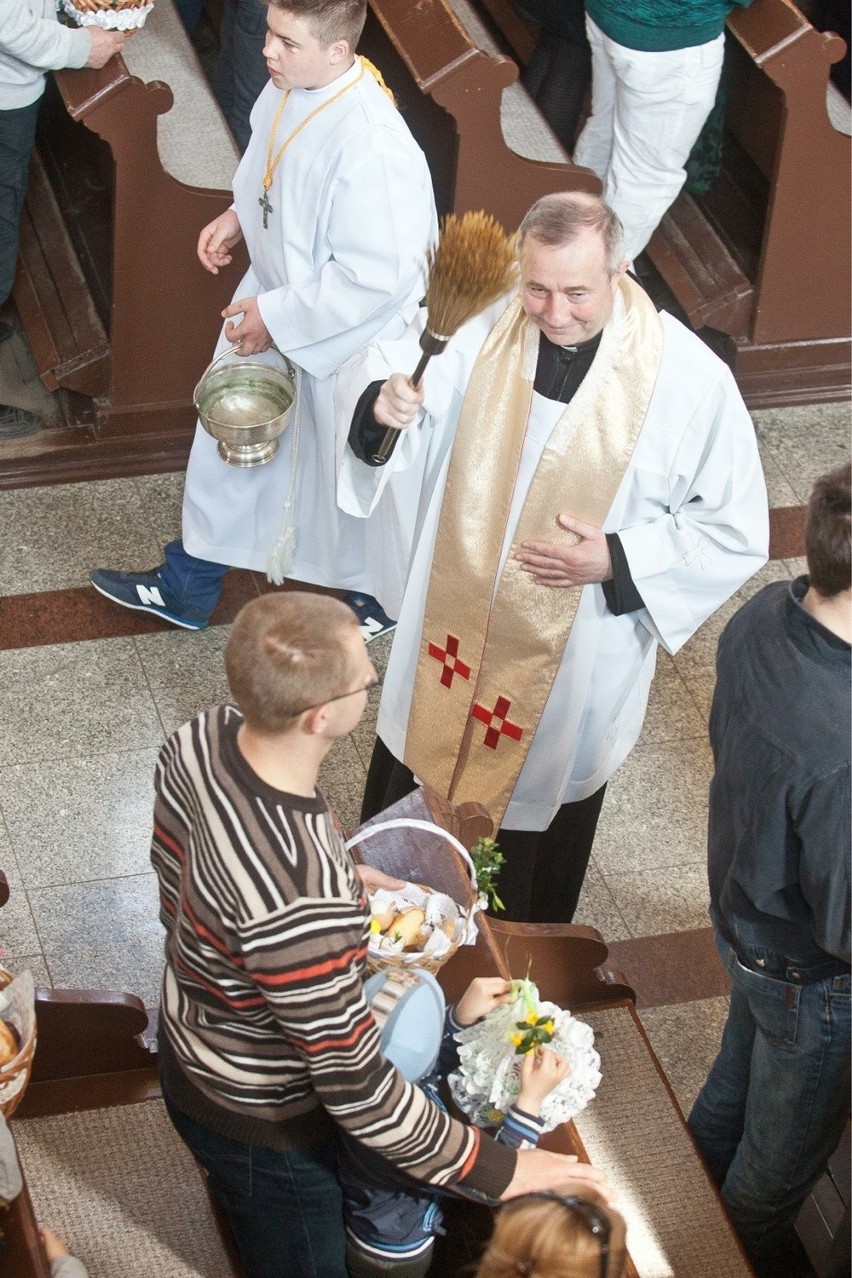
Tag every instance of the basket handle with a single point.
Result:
(398, 823)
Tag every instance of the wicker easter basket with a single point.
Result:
(379, 960)
(15, 1076)
(110, 15)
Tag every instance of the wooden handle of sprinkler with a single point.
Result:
(392, 433)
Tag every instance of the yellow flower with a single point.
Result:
(375, 926)
(549, 1027)
(516, 1040)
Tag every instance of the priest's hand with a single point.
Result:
(398, 402)
(252, 336)
(217, 239)
(538, 1169)
(585, 561)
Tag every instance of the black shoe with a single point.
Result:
(6, 331)
(15, 422)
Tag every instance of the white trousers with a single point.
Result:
(647, 111)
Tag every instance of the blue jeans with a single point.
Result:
(240, 71)
(17, 134)
(776, 1100)
(190, 580)
(285, 1208)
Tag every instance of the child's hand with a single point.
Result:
(541, 1071)
(481, 997)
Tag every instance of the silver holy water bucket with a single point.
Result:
(246, 406)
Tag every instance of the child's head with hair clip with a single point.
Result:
(570, 1234)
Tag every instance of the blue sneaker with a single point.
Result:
(144, 592)
(372, 618)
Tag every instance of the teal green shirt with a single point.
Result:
(657, 25)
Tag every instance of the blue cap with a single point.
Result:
(409, 1007)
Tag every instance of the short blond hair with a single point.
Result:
(540, 1236)
(286, 653)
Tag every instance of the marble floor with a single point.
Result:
(88, 693)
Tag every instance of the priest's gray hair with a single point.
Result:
(330, 20)
(557, 219)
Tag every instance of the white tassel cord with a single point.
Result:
(281, 558)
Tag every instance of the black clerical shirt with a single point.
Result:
(558, 375)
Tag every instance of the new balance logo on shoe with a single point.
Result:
(370, 627)
(150, 595)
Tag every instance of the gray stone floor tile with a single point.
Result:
(17, 963)
(665, 898)
(685, 1038)
(597, 908)
(655, 811)
(364, 734)
(74, 820)
(73, 701)
(18, 933)
(185, 671)
(778, 491)
(700, 681)
(58, 534)
(672, 715)
(805, 440)
(104, 935)
(161, 500)
(341, 780)
(796, 567)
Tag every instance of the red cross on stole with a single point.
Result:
(496, 722)
(497, 717)
(450, 657)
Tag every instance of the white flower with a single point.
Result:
(487, 1081)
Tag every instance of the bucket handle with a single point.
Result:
(232, 350)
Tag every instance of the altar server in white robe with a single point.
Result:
(592, 488)
(334, 200)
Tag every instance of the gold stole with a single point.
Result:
(485, 669)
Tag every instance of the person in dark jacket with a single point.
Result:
(777, 1097)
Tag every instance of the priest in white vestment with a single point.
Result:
(591, 489)
(334, 201)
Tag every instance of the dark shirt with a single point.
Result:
(558, 375)
(779, 833)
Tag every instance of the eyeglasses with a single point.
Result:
(372, 682)
(596, 1222)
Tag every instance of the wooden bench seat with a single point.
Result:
(68, 340)
(132, 161)
(487, 144)
(633, 1129)
(764, 257)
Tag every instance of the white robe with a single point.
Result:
(340, 264)
(691, 513)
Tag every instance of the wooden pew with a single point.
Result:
(131, 162)
(764, 258)
(449, 80)
(634, 1129)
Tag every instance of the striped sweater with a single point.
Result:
(266, 1033)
